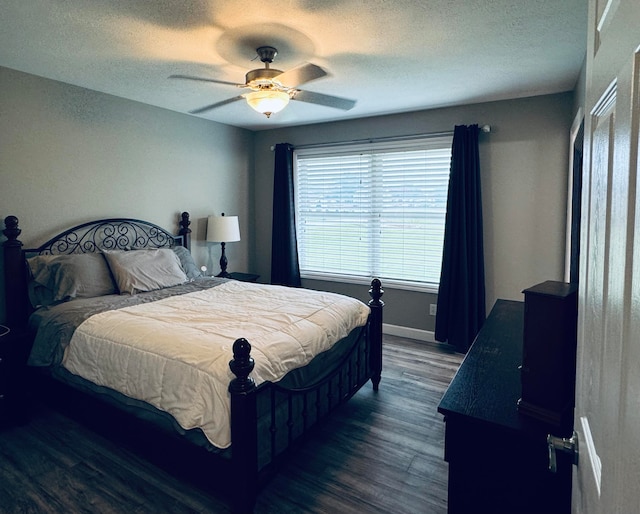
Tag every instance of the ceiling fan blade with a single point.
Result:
(216, 105)
(330, 101)
(202, 79)
(301, 75)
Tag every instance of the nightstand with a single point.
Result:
(244, 277)
(6, 340)
(11, 404)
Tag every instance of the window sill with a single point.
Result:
(389, 283)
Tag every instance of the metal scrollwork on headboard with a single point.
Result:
(109, 234)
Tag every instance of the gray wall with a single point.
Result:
(68, 155)
(524, 164)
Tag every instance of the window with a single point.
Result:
(373, 210)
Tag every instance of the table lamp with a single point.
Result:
(223, 229)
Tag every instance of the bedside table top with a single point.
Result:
(244, 277)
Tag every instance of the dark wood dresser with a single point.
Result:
(498, 458)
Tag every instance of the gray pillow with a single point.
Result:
(137, 271)
(62, 277)
(187, 262)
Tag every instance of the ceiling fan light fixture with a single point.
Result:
(271, 89)
(267, 101)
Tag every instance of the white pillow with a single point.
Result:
(137, 271)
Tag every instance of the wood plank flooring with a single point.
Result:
(381, 452)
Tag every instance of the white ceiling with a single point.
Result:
(388, 55)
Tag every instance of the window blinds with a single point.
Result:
(373, 210)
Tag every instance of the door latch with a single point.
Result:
(567, 445)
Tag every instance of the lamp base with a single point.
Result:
(223, 264)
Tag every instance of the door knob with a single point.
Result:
(567, 445)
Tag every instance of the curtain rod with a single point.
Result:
(484, 128)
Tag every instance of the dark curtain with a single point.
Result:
(285, 269)
(461, 296)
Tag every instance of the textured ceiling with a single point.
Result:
(388, 55)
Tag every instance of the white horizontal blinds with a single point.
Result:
(413, 206)
(373, 210)
(333, 214)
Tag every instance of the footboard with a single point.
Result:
(266, 421)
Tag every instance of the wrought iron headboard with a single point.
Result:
(109, 234)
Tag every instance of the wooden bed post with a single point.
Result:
(244, 429)
(185, 231)
(15, 278)
(375, 332)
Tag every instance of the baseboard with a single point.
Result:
(411, 333)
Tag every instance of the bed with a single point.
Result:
(117, 309)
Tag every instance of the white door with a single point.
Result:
(607, 416)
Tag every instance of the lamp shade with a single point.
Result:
(267, 101)
(223, 229)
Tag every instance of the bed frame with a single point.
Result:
(257, 439)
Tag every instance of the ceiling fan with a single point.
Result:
(272, 89)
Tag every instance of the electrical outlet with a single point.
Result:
(433, 309)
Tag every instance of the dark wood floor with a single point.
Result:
(382, 453)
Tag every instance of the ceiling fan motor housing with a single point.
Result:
(262, 74)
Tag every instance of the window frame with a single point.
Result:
(441, 142)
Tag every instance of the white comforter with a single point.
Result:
(174, 353)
